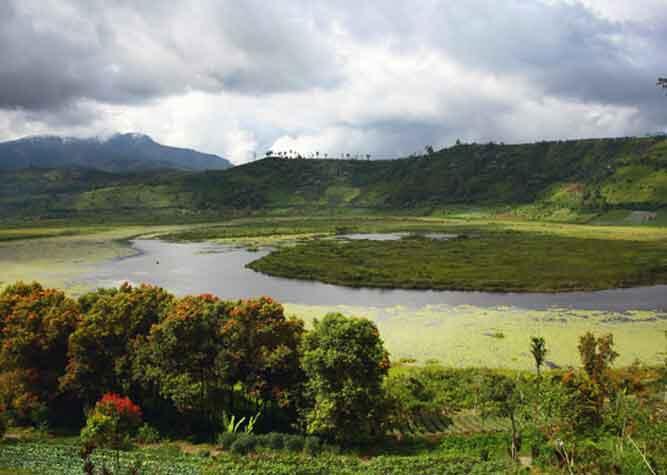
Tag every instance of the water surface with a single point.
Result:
(194, 268)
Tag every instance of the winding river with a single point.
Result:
(194, 268)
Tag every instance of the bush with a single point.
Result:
(294, 443)
(312, 445)
(111, 423)
(147, 434)
(275, 441)
(244, 444)
(226, 439)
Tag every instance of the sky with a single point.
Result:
(379, 77)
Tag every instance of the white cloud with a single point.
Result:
(381, 77)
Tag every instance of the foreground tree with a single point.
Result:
(103, 347)
(538, 348)
(263, 351)
(597, 356)
(502, 397)
(345, 364)
(35, 324)
(182, 356)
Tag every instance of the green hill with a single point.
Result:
(568, 179)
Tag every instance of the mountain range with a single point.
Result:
(119, 153)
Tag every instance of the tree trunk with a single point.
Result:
(515, 448)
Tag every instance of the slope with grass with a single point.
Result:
(571, 180)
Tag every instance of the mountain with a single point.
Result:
(562, 180)
(119, 153)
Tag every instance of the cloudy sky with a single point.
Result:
(379, 76)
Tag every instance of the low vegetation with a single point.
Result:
(494, 261)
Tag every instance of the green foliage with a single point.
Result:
(345, 363)
(563, 178)
(503, 397)
(182, 355)
(538, 348)
(507, 261)
(275, 441)
(312, 445)
(244, 444)
(147, 434)
(103, 347)
(293, 442)
(35, 324)
(112, 423)
(263, 350)
(232, 424)
(597, 355)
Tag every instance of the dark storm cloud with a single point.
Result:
(54, 53)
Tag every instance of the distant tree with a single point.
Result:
(317, 154)
(429, 150)
(269, 153)
(347, 155)
(458, 141)
(538, 349)
(345, 364)
(368, 156)
(662, 82)
(326, 155)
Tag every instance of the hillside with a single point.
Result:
(582, 177)
(120, 153)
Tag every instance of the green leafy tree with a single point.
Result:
(345, 364)
(502, 397)
(35, 324)
(263, 351)
(102, 349)
(538, 348)
(597, 356)
(183, 355)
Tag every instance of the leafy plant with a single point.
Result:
(231, 424)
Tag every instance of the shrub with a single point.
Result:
(112, 422)
(244, 444)
(312, 445)
(275, 441)
(226, 439)
(294, 443)
(147, 434)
